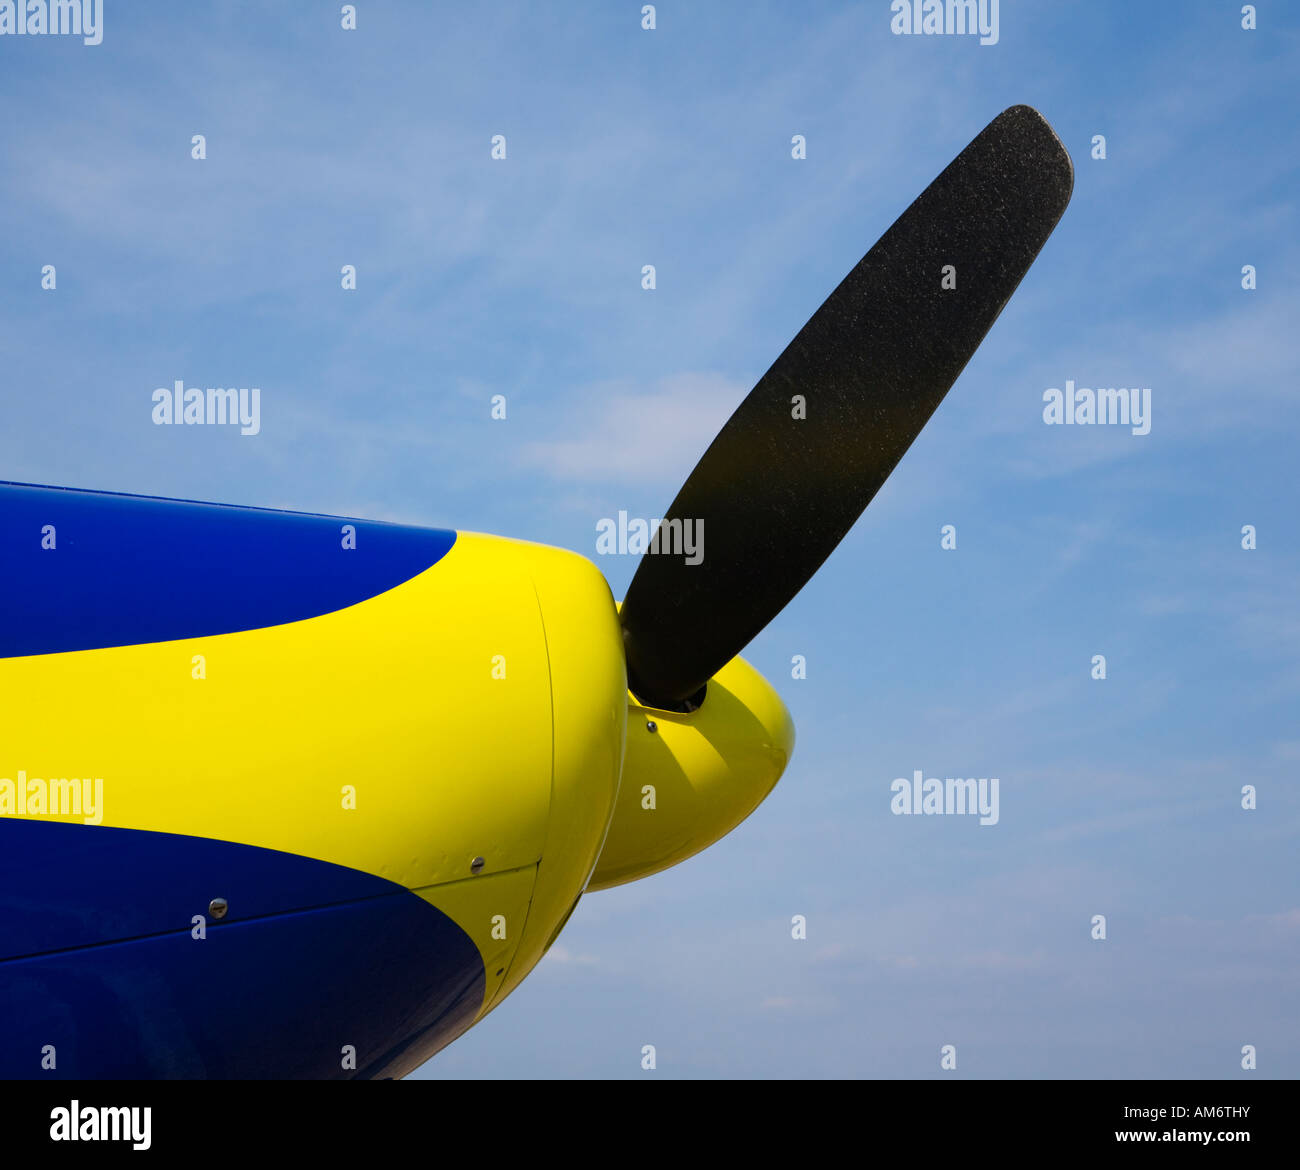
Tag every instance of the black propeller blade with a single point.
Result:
(777, 492)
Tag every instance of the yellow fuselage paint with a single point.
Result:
(475, 711)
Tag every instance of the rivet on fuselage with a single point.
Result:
(218, 907)
(476, 866)
(651, 726)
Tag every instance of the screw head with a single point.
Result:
(218, 907)
(476, 866)
(651, 726)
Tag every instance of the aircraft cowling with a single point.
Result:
(689, 778)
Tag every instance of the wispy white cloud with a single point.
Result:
(616, 433)
(564, 957)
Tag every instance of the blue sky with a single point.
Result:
(521, 277)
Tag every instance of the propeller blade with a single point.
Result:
(777, 492)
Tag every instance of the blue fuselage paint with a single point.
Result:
(316, 971)
(86, 570)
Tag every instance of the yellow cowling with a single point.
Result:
(690, 778)
(475, 711)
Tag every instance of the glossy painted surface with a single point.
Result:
(84, 570)
(473, 710)
(316, 971)
(696, 776)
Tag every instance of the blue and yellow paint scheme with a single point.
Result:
(287, 795)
